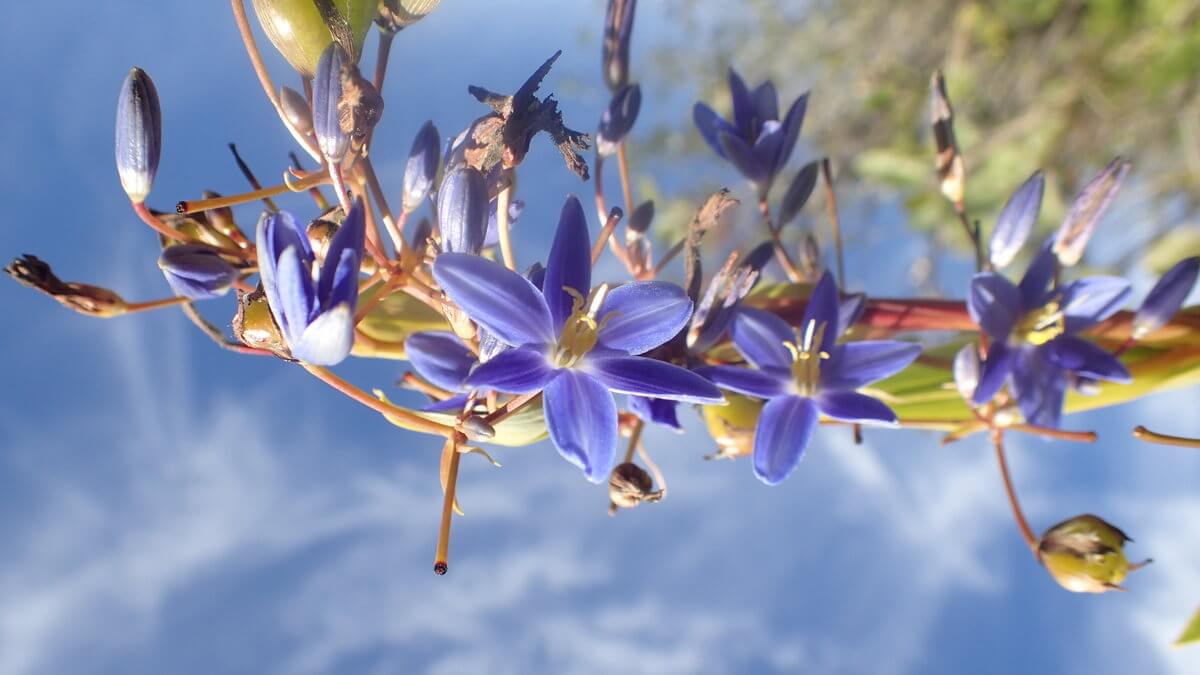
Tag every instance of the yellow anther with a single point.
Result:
(807, 357)
(1042, 325)
(581, 329)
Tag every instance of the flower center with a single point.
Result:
(807, 357)
(581, 330)
(1041, 325)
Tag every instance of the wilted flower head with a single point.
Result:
(1086, 554)
(1166, 297)
(618, 30)
(1091, 203)
(139, 134)
(313, 304)
(1016, 220)
(802, 372)
(1033, 329)
(420, 171)
(195, 271)
(757, 141)
(462, 210)
(327, 93)
(618, 119)
(33, 272)
(575, 344)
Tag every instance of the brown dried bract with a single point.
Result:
(31, 271)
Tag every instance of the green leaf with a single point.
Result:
(1191, 632)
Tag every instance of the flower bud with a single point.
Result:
(618, 29)
(1016, 220)
(139, 134)
(296, 109)
(1086, 555)
(1167, 296)
(396, 14)
(300, 32)
(639, 220)
(462, 210)
(798, 193)
(254, 326)
(420, 171)
(327, 93)
(630, 485)
(477, 429)
(1077, 228)
(618, 119)
(966, 371)
(195, 271)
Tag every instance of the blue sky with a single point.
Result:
(169, 507)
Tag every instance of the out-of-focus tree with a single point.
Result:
(1059, 84)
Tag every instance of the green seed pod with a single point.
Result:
(1086, 554)
(300, 33)
(397, 14)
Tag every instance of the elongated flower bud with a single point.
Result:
(618, 29)
(1166, 297)
(1091, 203)
(1016, 220)
(966, 371)
(462, 211)
(642, 216)
(139, 134)
(196, 272)
(296, 109)
(618, 118)
(421, 169)
(798, 193)
(327, 91)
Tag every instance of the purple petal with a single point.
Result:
(791, 131)
(196, 271)
(768, 383)
(784, 429)
(850, 406)
(649, 377)
(857, 364)
(350, 237)
(570, 262)
(1039, 387)
(766, 101)
(736, 150)
(849, 310)
(822, 310)
(994, 304)
(1016, 220)
(1087, 302)
(440, 357)
(767, 146)
(1167, 296)
(1086, 210)
(344, 289)
(328, 339)
(1085, 358)
(711, 126)
(295, 293)
(581, 417)
(454, 404)
(500, 300)
(656, 410)
(759, 337)
(1035, 285)
(517, 371)
(994, 371)
(642, 315)
(745, 109)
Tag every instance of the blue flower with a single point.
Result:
(618, 118)
(575, 344)
(196, 271)
(313, 302)
(803, 373)
(1166, 297)
(1032, 329)
(757, 142)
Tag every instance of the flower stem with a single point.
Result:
(1143, 434)
(781, 253)
(635, 436)
(506, 248)
(603, 212)
(132, 307)
(623, 169)
(834, 222)
(305, 182)
(1026, 531)
(416, 422)
(157, 223)
(610, 226)
(394, 230)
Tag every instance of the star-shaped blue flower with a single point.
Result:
(575, 344)
(757, 142)
(803, 373)
(1032, 329)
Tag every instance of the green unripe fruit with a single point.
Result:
(299, 32)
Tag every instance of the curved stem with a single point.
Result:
(157, 224)
(1143, 434)
(623, 169)
(1018, 515)
(506, 248)
(131, 307)
(834, 222)
(785, 260)
(442, 557)
(417, 422)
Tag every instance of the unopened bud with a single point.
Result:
(396, 14)
(966, 371)
(1086, 555)
(642, 216)
(420, 171)
(327, 93)
(1167, 296)
(196, 271)
(30, 271)
(296, 110)
(477, 429)
(1091, 203)
(139, 134)
(618, 30)
(618, 118)
(630, 485)
(462, 210)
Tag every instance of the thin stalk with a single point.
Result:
(132, 307)
(417, 422)
(506, 248)
(834, 222)
(1018, 515)
(157, 223)
(310, 180)
(610, 226)
(250, 177)
(1143, 434)
(623, 169)
(442, 557)
(781, 253)
(395, 230)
